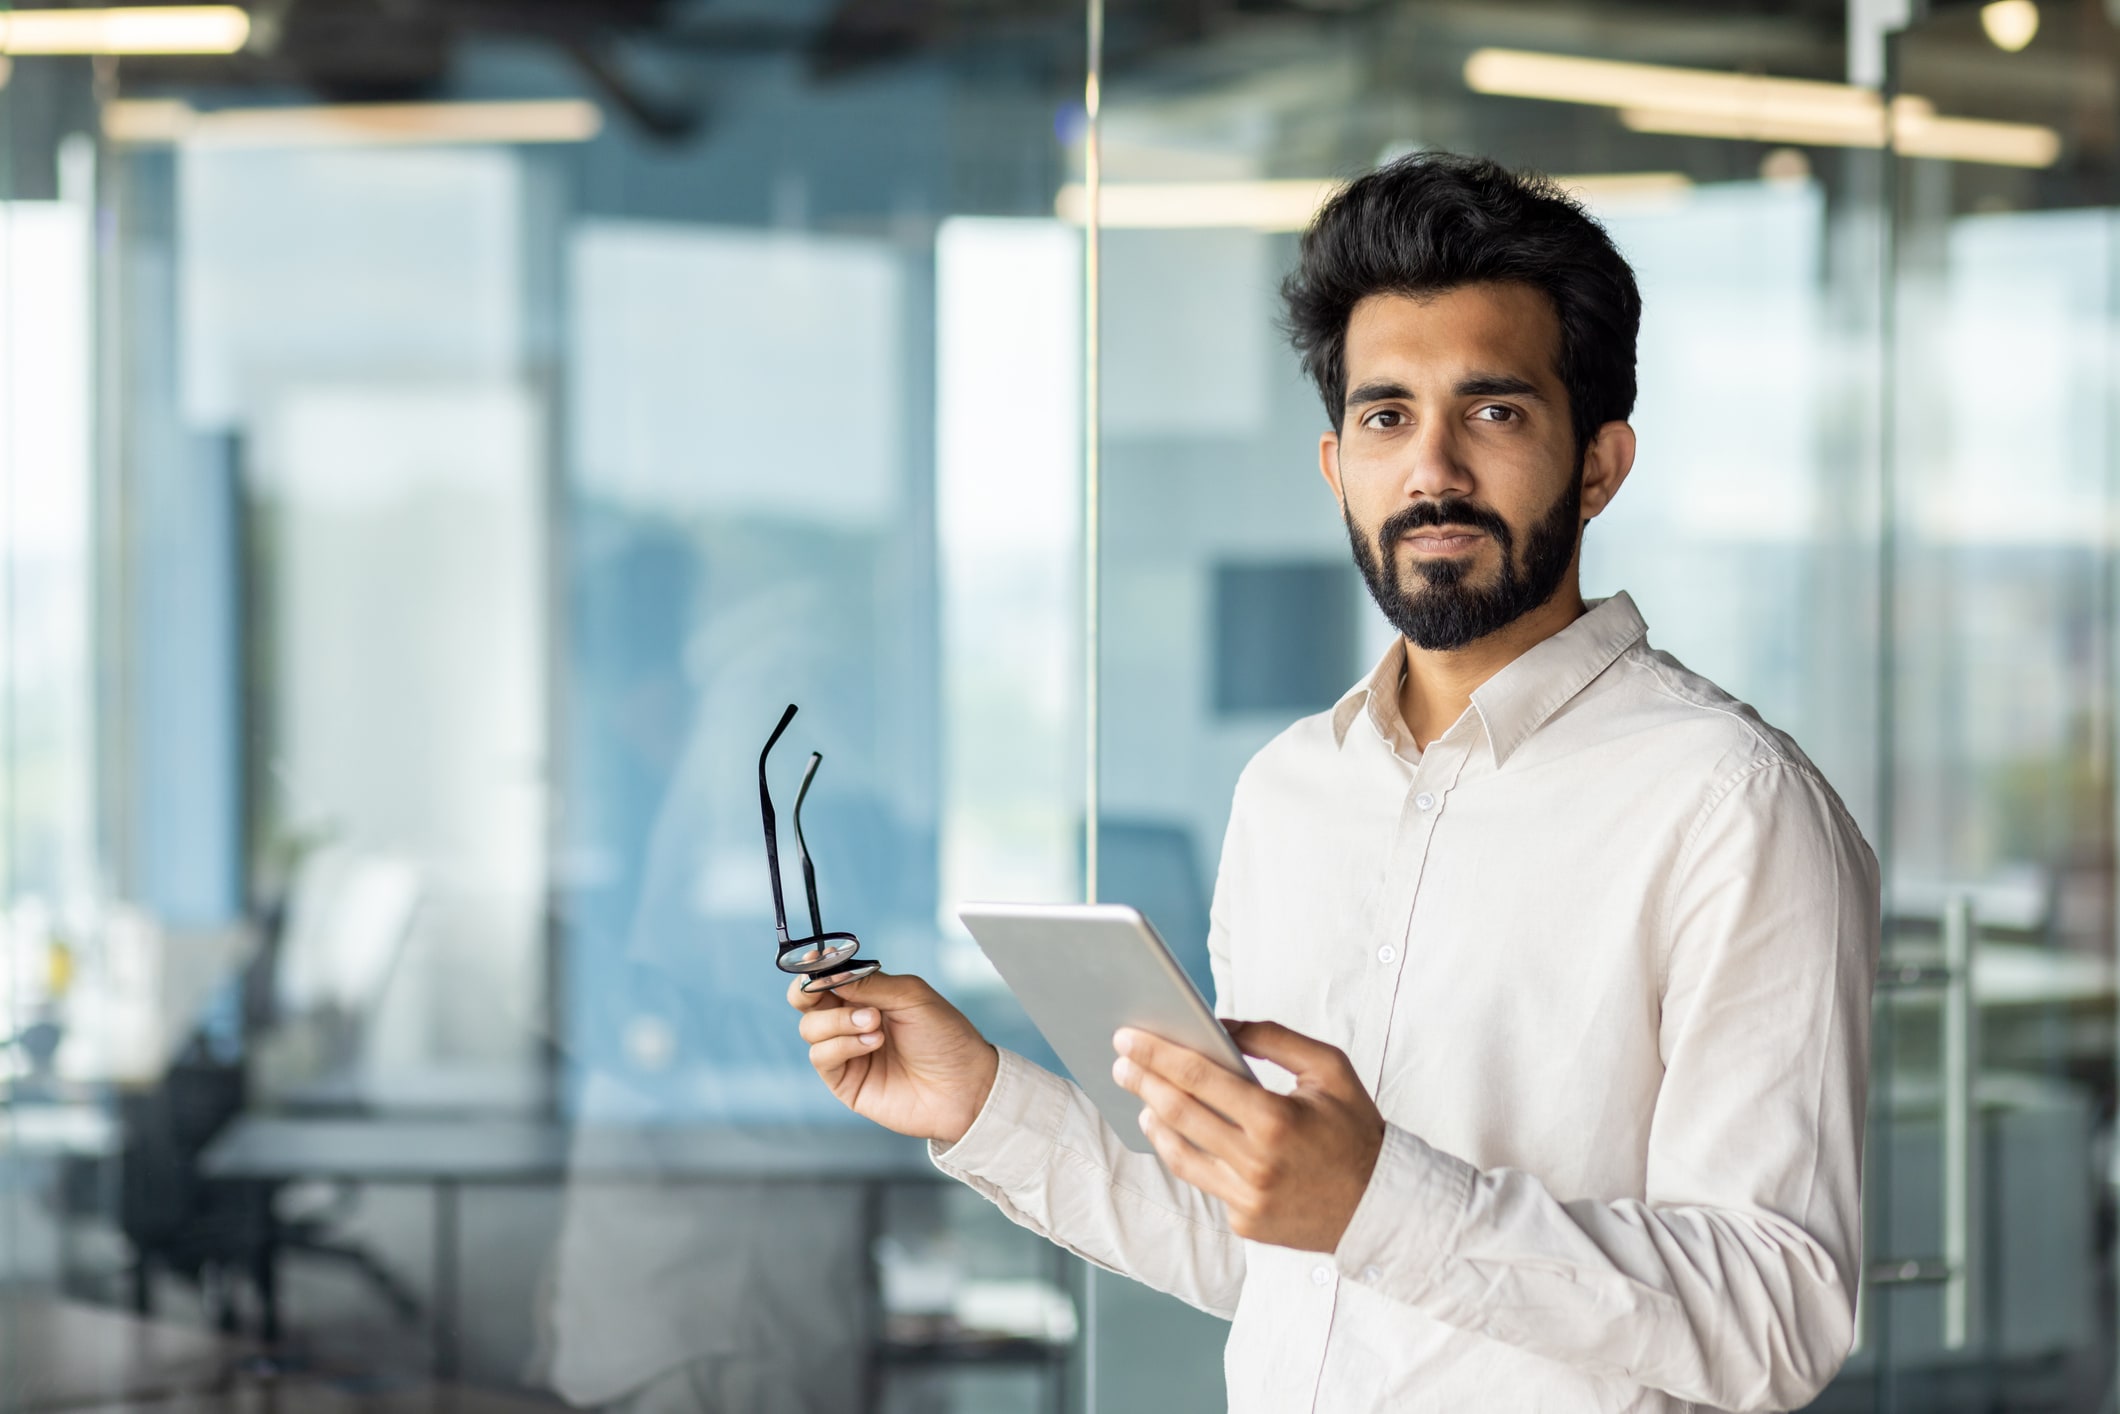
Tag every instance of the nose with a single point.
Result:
(1435, 466)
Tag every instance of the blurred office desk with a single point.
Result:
(446, 1155)
(72, 1128)
(69, 1142)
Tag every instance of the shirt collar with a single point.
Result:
(1382, 685)
(1519, 699)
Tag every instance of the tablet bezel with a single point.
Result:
(1082, 971)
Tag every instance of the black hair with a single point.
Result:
(1435, 221)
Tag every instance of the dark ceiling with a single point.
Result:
(353, 49)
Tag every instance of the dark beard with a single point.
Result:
(1447, 613)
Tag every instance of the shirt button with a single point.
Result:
(1387, 953)
(1424, 801)
(1372, 1274)
(1319, 1276)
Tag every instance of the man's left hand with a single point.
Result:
(1291, 1168)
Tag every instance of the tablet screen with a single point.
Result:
(1082, 971)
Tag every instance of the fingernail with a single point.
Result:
(1122, 1070)
(865, 1018)
(1123, 1040)
(872, 1038)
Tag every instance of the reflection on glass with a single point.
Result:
(2003, 782)
(437, 503)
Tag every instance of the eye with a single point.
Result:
(1497, 412)
(1377, 418)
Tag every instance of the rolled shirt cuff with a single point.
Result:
(1407, 1223)
(1012, 1137)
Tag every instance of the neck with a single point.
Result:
(1440, 682)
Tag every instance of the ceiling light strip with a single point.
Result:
(1253, 205)
(153, 121)
(1654, 98)
(142, 29)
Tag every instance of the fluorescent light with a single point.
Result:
(1654, 98)
(1627, 188)
(1749, 128)
(143, 120)
(1918, 131)
(143, 29)
(2010, 24)
(353, 124)
(1255, 205)
(1565, 78)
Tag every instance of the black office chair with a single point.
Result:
(219, 1233)
(176, 1219)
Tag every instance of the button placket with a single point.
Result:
(1438, 772)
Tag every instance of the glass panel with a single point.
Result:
(1874, 498)
(1748, 533)
(430, 463)
(2003, 379)
(54, 949)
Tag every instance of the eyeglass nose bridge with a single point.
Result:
(806, 956)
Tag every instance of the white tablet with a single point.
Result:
(1082, 971)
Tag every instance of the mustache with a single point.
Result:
(1425, 515)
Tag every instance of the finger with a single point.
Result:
(838, 1021)
(811, 1001)
(834, 1055)
(1188, 1162)
(888, 990)
(1305, 1057)
(1240, 1098)
(1201, 1126)
(891, 991)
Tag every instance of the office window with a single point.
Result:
(1285, 636)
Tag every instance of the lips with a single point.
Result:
(1444, 542)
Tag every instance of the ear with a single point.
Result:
(1329, 465)
(1606, 462)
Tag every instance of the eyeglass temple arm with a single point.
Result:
(765, 805)
(809, 872)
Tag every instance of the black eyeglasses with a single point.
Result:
(824, 960)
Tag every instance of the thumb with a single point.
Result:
(1311, 1061)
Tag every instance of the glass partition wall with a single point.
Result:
(1874, 498)
(438, 444)
(436, 447)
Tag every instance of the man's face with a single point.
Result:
(1456, 464)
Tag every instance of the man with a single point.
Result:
(1567, 952)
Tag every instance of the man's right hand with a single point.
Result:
(895, 1052)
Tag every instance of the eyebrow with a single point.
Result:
(1478, 385)
(1498, 385)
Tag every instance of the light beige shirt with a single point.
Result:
(1603, 954)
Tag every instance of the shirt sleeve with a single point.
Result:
(1732, 1282)
(1041, 1152)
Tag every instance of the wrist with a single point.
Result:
(985, 1072)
